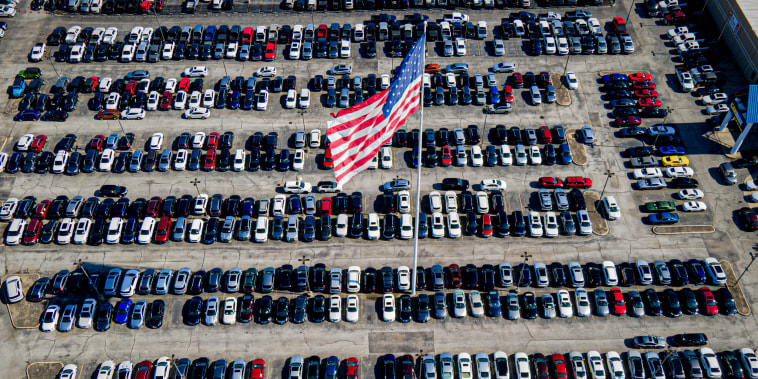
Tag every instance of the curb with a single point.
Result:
(665, 230)
(43, 363)
(736, 290)
(593, 198)
(575, 146)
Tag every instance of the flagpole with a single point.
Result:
(418, 170)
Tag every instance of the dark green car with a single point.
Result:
(660, 206)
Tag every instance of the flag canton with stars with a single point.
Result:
(411, 69)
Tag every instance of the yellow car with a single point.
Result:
(675, 160)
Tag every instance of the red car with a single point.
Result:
(95, 80)
(578, 182)
(508, 94)
(166, 100)
(209, 163)
(258, 369)
(517, 80)
(322, 31)
(628, 121)
(544, 79)
(649, 103)
(711, 309)
(549, 182)
(545, 135)
(456, 281)
(354, 368)
(326, 206)
(153, 207)
(637, 76)
(270, 53)
(617, 298)
(643, 93)
(247, 34)
(447, 158)
(161, 234)
(619, 24)
(131, 86)
(246, 308)
(96, 143)
(38, 143)
(328, 161)
(677, 17)
(212, 142)
(559, 366)
(540, 366)
(643, 84)
(486, 226)
(432, 68)
(40, 210)
(184, 84)
(33, 229)
(142, 371)
(107, 114)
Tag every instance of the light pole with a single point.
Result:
(608, 175)
(304, 260)
(630, 12)
(526, 257)
(752, 259)
(195, 183)
(668, 111)
(726, 22)
(565, 68)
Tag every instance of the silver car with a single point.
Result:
(137, 317)
(582, 302)
(514, 311)
(548, 306)
(181, 280)
(164, 161)
(601, 303)
(291, 235)
(211, 311)
(634, 363)
(459, 304)
(233, 277)
(227, 229)
(162, 281)
(546, 201)
(520, 155)
(440, 306)
(296, 367)
(585, 225)
(561, 199)
(652, 183)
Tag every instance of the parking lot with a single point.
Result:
(627, 239)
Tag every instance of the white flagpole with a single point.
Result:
(418, 170)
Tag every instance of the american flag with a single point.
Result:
(357, 133)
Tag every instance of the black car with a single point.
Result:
(683, 183)
(529, 305)
(688, 301)
(103, 317)
(369, 279)
(386, 274)
(626, 273)
(318, 308)
(214, 279)
(472, 225)
(639, 151)
(155, 314)
(264, 309)
(653, 303)
(558, 274)
(422, 308)
(282, 310)
(404, 308)
(576, 199)
(679, 275)
(690, 339)
(389, 223)
(519, 224)
(632, 131)
(193, 311)
(594, 274)
(455, 184)
(726, 302)
(300, 311)
(672, 305)
(501, 225)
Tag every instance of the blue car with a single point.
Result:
(613, 78)
(14, 163)
(122, 310)
(234, 100)
(331, 367)
(130, 231)
(663, 218)
(28, 115)
(294, 203)
(423, 226)
(671, 150)
(564, 151)
(284, 160)
(494, 95)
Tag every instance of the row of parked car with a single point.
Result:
(318, 278)
(165, 367)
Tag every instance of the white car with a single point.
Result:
(162, 368)
(680, 172)
(127, 53)
(50, 318)
(68, 372)
(196, 71)
(437, 225)
(195, 99)
(146, 231)
(492, 185)
(335, 308)
(110, 36)
(340, 228)
(709, 362)
(115, 226)
(716, 109)
(611, 208)
(72, 34)
(345, 49)
(152, 101)
(661, 130)
(156, 141)
(24, 142)
(572, 81)
(648, 173)
(81, 233)
(691, 194)
(65, 231)
(229, 316)
(198, 140)
(522, 366)
(105, 163)
(111, 103)
(373, 231)
(388, 307)
(38, 52)
(694, 206)
(296, 186)
(352, 308)
(386, 160)
(453, 225)
(8, 209)
(749, 362)
(298, 160)
(305, 99)
(460, 47)
(231, 49)
(459, 304)
(715, 271)
(167, 52)
(535, 224)
(15, 231)
(290, 101)
(404, 202)
(277, 206)
(314, 137)
(565, 309)
(208, 98)
(211, 311)
(477, 307)
(595, 363)
(295, 50)
(170, 85)
(615, 365)
(13, 290)
(551, 225)
(465, 369)
(266, 71)
(535, 157)
(180, 159)
(197, 113)
(106, 370)
(261, 229)
(59, 163)
(406, 227)
(238, 163)
(482, 202)
(133, 114)
(716, 98)
(550, 47)
(504, 153)
(403, 278)
(477, 159)
(261, 102)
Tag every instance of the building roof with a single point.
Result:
(750, 9)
